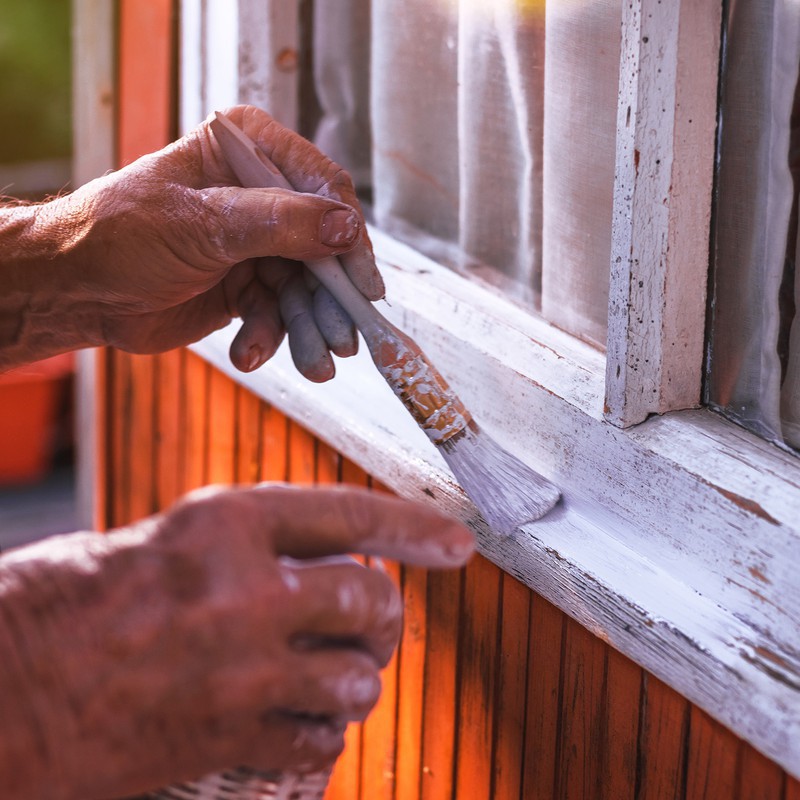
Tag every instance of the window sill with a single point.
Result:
(677, 540)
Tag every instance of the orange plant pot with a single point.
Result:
(29, 404)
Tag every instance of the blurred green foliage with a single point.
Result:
(35, 80)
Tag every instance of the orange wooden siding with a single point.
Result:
(494, 692)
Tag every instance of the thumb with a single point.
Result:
(279, 222)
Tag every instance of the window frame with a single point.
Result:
(678, 538)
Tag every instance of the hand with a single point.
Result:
(208, 636)
(169, 248)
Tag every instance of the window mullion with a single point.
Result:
(269, 47)
(666, 121)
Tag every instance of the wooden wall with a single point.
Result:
(494, 693)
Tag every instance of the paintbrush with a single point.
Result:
(507, 492)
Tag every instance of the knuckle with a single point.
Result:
(339, 184)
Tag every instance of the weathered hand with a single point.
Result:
(208, 636)
(169, 248)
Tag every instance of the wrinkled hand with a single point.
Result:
(169, 249)
(212, 635)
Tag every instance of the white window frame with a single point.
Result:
(678, 539)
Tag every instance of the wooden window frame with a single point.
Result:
(678, 539)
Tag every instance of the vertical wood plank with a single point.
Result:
(145, 77)
(194, 427)
(792, 791)
(145, 114)
(221, 428)
(328, 464)
(248, 430)
(168, 371)
(512, 688)
(411, 678)
(662, 742)
(439, 698)
(544, 687)
(274, 445)
(477, 685)
(302, 455)
(141, 444)
(711, 769)
(269, 57)
(758, 777)
(120, 412)
(581, 713)
(622, 712)
(345, 783)
(379, 734)
(379, 731)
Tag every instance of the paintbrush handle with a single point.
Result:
(401, 362)
(255, 170)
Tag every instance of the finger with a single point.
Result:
(304, 523)
(343, 604)
(249, 223)
(300, 161)
(333, 683)
(262, 330)
(308, 346)
(294, 744)
(359, 264)
(334, 324)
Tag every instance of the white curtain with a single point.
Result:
(492, 130)
(755, 353)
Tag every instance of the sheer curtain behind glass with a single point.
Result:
(755, 348)
(492, 130)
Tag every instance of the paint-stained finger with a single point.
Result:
(359, 264)
(308, 346)
(334, 324)
(261, 332)
(343, 604)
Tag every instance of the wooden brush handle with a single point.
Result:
(421, 388)
(255, 170)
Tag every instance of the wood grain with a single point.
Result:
(478, 668)
(620, 739)
(542, 728)
(345, 782)
(194, 422)
(512, 688)
(663, 742)
(411, 683)
(274, 441)
(758, 778)
(439, 693)
(248, 440)
(712, 764)
(582, 732)
(221, 429)
(168, 413)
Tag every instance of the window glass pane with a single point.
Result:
(492, 136)
(754, 374)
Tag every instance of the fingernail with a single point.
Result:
(339, 227)
(254, 356)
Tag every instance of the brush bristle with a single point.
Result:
(507, 492)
